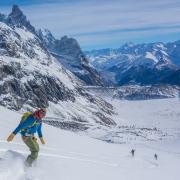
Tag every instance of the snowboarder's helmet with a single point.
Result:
(40, 113)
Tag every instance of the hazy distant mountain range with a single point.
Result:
(153, 63)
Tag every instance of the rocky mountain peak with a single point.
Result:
(45, 32)
(69, 46)
(2, 17)
(17, 18)
(46, 36)
(68, 51)
(16, 12)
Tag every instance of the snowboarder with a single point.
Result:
(155, 156)
(132, 152)
(30, 124)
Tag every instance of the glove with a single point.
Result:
(34, 138)
(11, 137)
(42, 140)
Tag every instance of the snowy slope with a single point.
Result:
(31, 77)
(76, 157)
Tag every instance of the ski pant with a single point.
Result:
(33, 146)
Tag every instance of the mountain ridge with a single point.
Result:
(68, 52)
(152, 63)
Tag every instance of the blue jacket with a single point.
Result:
(28, 129)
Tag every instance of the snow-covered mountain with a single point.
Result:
(69, 53)
(31, 77)
(151, 63)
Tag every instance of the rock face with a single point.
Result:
(31, 77)
(153, 63)
(16, 17)
(69, 53)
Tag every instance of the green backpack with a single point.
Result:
(24, 117)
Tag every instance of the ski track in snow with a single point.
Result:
(66, 157)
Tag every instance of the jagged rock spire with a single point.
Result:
(16, 12)
(2, 17)
(17, 18)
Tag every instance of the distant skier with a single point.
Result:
(132, 152)
(155, 156)
(30, 124)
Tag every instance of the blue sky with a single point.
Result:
(99, 24)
